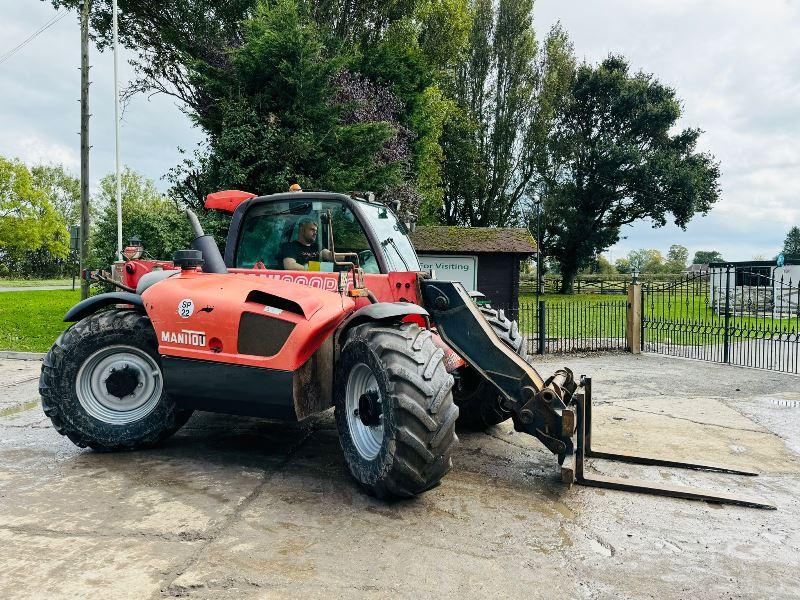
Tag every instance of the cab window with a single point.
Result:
(392, 237)
(293, 235)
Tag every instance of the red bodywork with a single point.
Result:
(130, 272)
(220, 300)
(260, 342)
(227, 200)
(212, 329)
(392, 287)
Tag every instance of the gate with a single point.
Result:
(564, 325)
(740, 316)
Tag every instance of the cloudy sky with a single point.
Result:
(734, 63)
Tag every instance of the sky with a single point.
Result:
(735, 65)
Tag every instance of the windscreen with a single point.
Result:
(293, 235)
(392, 236)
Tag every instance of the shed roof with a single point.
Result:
(516, 240)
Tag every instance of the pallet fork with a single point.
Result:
(573, 469)
(558, 410)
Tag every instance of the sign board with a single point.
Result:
(74, 238)
(463, 269)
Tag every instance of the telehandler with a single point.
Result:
(358, 325)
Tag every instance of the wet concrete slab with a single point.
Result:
(243, 508)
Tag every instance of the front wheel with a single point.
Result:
(102, 384)
(394, 409)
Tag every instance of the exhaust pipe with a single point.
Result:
(212, 259)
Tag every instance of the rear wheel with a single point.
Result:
(394, 409)
(478, 401)
(102, 385)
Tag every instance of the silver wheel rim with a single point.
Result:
(92, 387)
(367, 440)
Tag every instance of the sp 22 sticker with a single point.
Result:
(186, 308)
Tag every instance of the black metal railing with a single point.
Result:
(594, 284)
(566, 324)
(747, 316)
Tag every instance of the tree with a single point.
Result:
(494, 90)
(63, 191)
(791, 244)
(28, 220)
(286, 110)
(612, 159)
(602, 266)
(158, 222)
(676, 258)
(62, 188)
(265, 73)
(505, 89)
(705, 257)
(623, 266)
(646, 261)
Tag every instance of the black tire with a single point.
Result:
(76, 347)
(416, 403)
(478, 401)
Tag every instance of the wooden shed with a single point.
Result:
(486, 259)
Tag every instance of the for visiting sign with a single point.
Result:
(463, 269)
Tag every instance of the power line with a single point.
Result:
(8, 54)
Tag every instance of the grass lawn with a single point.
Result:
(36, 282)
(31, 321)
(576, 316)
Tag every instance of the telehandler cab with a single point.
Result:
(397, 352)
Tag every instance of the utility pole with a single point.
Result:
(84, 229)
(114, 25)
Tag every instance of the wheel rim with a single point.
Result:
(119, 385)
(367, 439)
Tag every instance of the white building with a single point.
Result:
(757, 287)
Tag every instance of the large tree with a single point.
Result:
(29, 222)
(288, 79)
(676, 258)
(705, 257)
(613, 158)
(285, 110)
(504, 88)
(791, 245)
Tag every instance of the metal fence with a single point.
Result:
(594, 284)
(741, 316)
(581, 285)
(568, 325)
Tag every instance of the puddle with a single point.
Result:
(7, 412)
(561, 542)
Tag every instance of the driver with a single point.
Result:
(295, 255)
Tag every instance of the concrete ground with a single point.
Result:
(242, 508)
